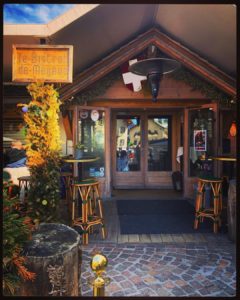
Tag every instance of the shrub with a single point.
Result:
(16, 231)
(43, 152)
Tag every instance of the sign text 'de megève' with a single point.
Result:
(42, 63)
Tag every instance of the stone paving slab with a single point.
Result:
(176, 269)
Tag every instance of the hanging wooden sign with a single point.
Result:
(47, 63)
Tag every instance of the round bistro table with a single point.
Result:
(78, 163)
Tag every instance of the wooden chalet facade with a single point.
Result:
(178, 105)
(176, 100)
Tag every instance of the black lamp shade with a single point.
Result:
(154, 65)
(154, 82)
(154, 69)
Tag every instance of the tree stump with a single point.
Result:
(54, 255)
(231, 210)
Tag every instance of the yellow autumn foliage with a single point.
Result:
(43, 132)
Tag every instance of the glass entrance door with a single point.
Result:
(128, 162)
(159, 143)
(128, 143)
(143, 157)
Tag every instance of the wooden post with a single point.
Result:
(53, 254)
(231, 210)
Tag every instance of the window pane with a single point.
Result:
(159, 146)
(92, 135)
(200, 141)
(128, 133)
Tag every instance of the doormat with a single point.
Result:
(161, 217)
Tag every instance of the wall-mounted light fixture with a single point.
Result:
(233, 129)
(154, 69)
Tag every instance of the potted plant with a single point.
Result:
(79, 150)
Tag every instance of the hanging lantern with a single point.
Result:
(233, 129)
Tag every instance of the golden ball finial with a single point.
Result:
(99, 263)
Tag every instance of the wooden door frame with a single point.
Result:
(144, 116)
(135, 175)
(151, 177)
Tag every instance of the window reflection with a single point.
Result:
(91, 133)
(128, 133)
(159, 152)
(200, 124)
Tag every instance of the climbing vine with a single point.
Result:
(43, 151)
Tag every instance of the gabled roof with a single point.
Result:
(57, 24)
(96, 31)
(167, 45)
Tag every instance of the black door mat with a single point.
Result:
(161, 217)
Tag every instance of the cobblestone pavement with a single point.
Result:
(181, 269)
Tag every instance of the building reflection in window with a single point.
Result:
(128, 134)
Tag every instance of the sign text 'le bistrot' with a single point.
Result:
(47, 63)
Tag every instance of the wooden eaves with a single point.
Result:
(167, 45)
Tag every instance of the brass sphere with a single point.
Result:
(98, 263)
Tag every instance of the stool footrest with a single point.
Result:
(210, 178)
(85, 182)
(78, 222)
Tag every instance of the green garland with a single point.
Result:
(98, 88)
(197, 83)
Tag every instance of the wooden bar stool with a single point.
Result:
(92, 209)
(67, 178)
(213, 212)
(24, 185)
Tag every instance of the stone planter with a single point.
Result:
(53, 254)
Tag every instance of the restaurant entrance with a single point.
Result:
(143, 149)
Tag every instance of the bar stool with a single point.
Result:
(24, 185)
(213, 212)
(67, 178)
(91, 204)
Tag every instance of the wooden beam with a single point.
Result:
(165, 44)
(105, 66)
(67, 127)
(147, 103)
(197, 64)
(172, 44)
